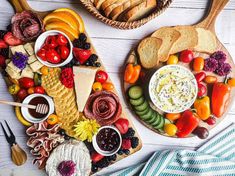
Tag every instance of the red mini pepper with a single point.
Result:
(220, 98)
(186, 124)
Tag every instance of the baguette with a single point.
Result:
(140, 11)
(187, 40)
(169, 36)
(148, 50)
(117, 11)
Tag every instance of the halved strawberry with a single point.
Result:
(11, 40)
(81, 54)
(95, 157)
(3, 44)
(126, 144)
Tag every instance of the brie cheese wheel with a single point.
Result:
(83, 78)
(75, 151)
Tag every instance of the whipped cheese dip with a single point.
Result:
(173, 88)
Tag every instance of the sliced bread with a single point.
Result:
(110, 8)
(117, 11)
(148, 50)
(98, 3)
(169, 36)
(206, 41)
(107, 3)
(187, 40)
(140, 11)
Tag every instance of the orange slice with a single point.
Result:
(76, 16)
(62, 16)
(63, 27)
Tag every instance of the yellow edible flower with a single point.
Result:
(85, 129)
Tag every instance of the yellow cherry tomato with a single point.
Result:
(231, 82)
(170, 129)
(45, 70)
(30, 90)
(173, 116)
(107, 86)
(14, 89)
(97, 86)
(52, 119)
(173, 59)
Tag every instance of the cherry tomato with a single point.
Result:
(173, 59)
(26, 82)
(45, 70)
(101, 76)
(231, 82)
(186, 56)
(51, 42)
(61, 39)
(52, 119)
(63, 52)
(122, 125)
(201, 90)
(170, 129)
(210, 79)
(97, 86)
(173, 116)
(198, 64)
(108, 86)
(39, 89)
(30, 90)
(22, 93)
(211, 120)
(53, 57)
(42, 54)
(200, 76)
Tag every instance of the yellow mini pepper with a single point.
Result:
(202, 106)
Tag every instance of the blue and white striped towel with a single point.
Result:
(215, 158)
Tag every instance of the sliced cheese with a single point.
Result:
(31, 59)
(84, 78)
(35, 66)
(12, 73)
(13, 67)
(27, 72)
(29, 48)
(19, 48)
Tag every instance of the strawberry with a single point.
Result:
(3, 44)
(11, 40)
(2, 61)
(122, 125)
(126, 144)
(81, 55)
(95, 157)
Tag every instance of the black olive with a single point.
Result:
(201, 132)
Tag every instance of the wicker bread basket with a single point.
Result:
(163, 4)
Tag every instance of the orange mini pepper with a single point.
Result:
(202, 106)
(132, 73)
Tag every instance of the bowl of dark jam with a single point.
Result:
(34, 99)
(107, 141)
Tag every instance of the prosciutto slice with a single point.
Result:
(42, 140)
(104, 107)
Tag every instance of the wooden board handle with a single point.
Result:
(18, 155)
(216, 7)
(20, 5)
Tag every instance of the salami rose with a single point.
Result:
(26, 25)
(103, 106)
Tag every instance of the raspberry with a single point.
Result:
(126, 144)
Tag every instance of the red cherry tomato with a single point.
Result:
(200, 76)
(22, 94)
(201, 90)
(122, 125)
(51, 42)
(211, 120)
(53, 57)
(101, 76)
(186, 56)
(61, 39)
(26, 82)
(42, 54)
(39, 89)
(63, 52)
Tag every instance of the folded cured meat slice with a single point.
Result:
(104, 107)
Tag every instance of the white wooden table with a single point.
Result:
(113, 46)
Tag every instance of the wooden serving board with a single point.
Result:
(21, 5)
(208, 23)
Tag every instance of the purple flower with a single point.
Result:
(19, 60)
(220, 56)
(223, 69)
(211, 64)
(67, 168)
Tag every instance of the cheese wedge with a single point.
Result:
(84, 78)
